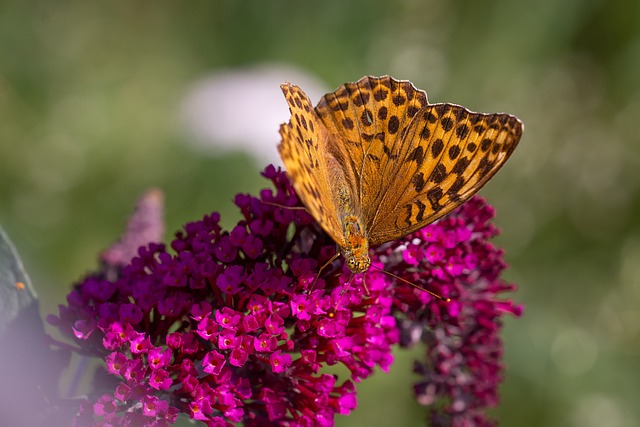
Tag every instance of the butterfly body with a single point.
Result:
(356, 250)
(374, 161)
(356, 244)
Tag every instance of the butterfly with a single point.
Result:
(374, 161)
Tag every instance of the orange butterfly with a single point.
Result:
(374, 161)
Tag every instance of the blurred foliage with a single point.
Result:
(89, 104)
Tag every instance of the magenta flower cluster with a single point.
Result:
(237, 326)
(462, 367)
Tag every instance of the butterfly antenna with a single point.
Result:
(364, 285)
(440, 297)
(278, 205)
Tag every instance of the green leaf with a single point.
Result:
(16, 290)
(29, 367)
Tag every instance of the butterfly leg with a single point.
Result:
(325, 265)
(364, 285)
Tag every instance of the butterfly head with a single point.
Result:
(356, 249)
(357, 261)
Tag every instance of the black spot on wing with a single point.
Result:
(426, 133)
(421, 208)
(417, 155)
(462, 131)
(380, 95)
(447, 124)
(433, 196)
(389, 153)
(393, 125)
(454, 152)
(418, 182)
(409, 209)
(461, 165)
(439, 173)
(366, 117)
(456, 186)
(437, 147)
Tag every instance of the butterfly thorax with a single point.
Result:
(356, 244)
(356, 249)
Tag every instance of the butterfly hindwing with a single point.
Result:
(303, 151)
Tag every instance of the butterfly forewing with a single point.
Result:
(448, 154)
(365, 120)
(412, 162)
(303, 149)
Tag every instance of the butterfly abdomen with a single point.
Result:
(356, 242)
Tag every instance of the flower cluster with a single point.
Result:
(233, 326)
(462, 367)
(237, 326)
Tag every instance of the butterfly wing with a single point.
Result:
(364, 120)
(448, 154)
(414, 162)
(303, 149)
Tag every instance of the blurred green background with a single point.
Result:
(94, 109)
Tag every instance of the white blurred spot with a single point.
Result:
(242, 109)
(574, 351)
(597, 411)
